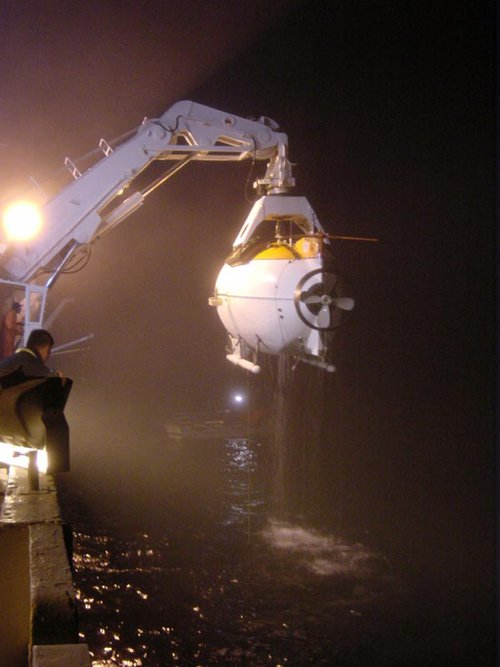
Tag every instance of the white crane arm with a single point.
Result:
(90, 204)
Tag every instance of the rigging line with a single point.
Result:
(249, 465)
(170, 172)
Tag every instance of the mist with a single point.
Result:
(390, 117)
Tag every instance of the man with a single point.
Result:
(11, 328)
(31, 359)
(32, 401)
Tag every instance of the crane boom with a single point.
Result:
(187, 131)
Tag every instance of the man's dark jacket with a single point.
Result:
(29, 361)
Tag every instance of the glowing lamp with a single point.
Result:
(12, 455)
(22, 221)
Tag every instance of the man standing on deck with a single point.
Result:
(10, 329)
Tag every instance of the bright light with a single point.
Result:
(22, 221)
(42, 460)
(16, 456)
(238, 398)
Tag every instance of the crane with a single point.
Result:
(278, 291)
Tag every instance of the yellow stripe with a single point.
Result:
(26, 349)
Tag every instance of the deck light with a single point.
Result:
(22, 221)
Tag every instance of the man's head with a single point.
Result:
(40, 341)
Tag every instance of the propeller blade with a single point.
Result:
(343, 302)
(310, 298)
(324, 317)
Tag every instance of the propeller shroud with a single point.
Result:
(322, 299)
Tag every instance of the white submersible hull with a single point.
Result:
(278, 292)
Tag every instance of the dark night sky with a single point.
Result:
(389, 109)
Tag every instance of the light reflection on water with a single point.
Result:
(260, 606)
(112, 577)
(244, 496)
(239, 589)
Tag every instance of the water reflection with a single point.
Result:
(245, 494)
(111, 579)
(261, 603)
(241, 590)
